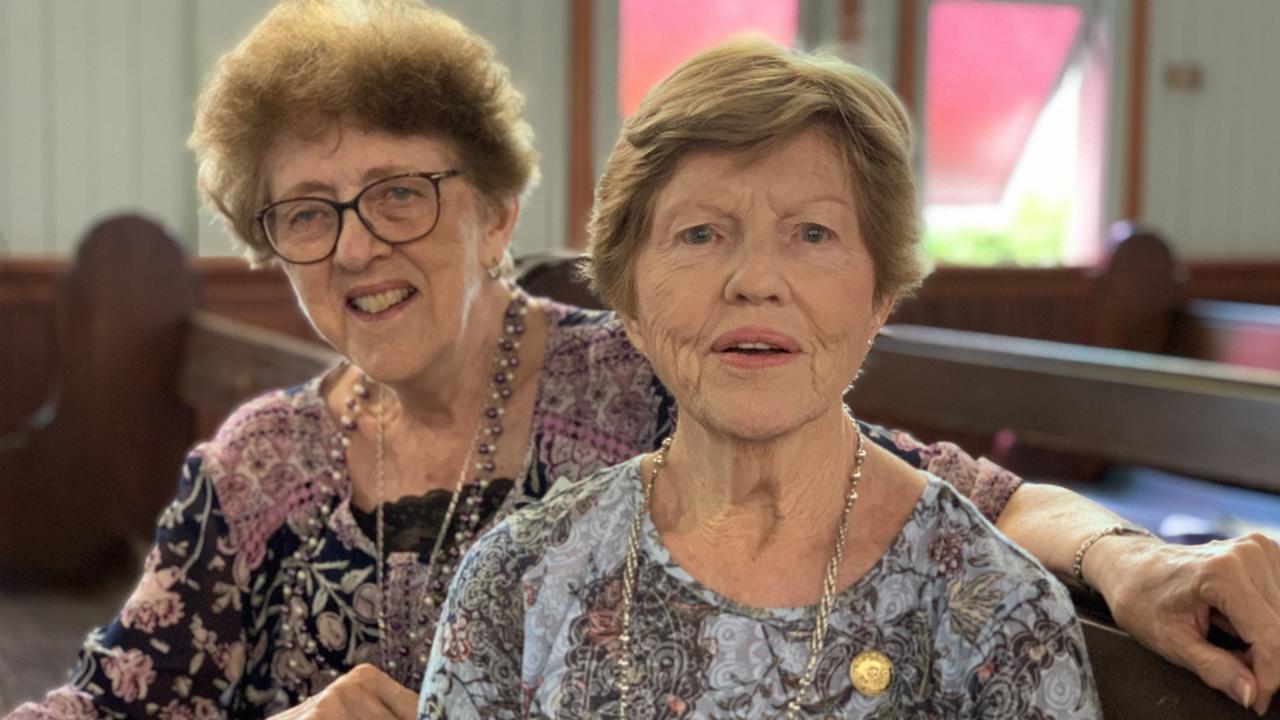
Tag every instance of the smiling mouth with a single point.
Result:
(380, 302)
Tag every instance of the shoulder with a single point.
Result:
(1006, 619)
(987, 485)
(962, 542)
(281, 418)
(599, 401)
(592, 373)
(272, 457)
(590, 340)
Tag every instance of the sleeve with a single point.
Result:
(1031, 660)
(475, 668)
(987, 485)
(177, 648)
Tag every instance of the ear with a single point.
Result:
(879, 317)
(499, 222)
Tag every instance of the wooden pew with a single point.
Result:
(229, 361)
(81, 476)
(1191, 417)
(1230, 332)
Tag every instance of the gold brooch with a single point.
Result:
(871, 672)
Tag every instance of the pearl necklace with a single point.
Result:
(483, 448)
(629, 673)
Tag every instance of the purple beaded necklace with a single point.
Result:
(442, 562)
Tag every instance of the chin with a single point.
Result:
(756, 418)
(387, 366)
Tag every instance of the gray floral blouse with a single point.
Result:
(973, 626)
(260, 589)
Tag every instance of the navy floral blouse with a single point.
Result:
(261, 588)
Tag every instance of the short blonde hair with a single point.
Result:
(393, 66)
(750, 94)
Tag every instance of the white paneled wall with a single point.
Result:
(94, 117)
(1212, 156)
(98, 98)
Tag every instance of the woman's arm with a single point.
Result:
(1165, 595)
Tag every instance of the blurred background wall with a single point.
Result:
(99, 95)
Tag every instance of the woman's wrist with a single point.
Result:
(1107, 558)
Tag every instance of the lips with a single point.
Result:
(749, 341)
(373, 301)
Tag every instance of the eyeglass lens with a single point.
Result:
(397, 209)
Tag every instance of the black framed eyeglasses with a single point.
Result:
(397, 209)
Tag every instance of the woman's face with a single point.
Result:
(754, 287)
(392, 309)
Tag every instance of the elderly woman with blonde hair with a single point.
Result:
(754, 228)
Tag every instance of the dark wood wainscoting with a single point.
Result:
(1039, 303)
(30, 320)
(28, 337)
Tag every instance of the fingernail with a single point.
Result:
(1244, 692)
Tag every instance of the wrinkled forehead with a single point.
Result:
(804, 168)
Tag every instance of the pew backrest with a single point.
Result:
(1190, 417)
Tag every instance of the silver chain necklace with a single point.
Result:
(483, 447)
(628, 671)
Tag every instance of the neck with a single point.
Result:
(756, 495)
(452, 390)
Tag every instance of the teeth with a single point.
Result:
(754, 346)
(378, 302)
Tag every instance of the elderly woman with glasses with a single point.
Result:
(378, 153)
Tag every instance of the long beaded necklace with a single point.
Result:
(628, 673)
(483, 448)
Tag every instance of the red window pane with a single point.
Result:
(991, 67)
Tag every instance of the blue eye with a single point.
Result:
(814, 234)
(400, 193)
(698, 235)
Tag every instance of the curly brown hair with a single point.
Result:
(750, 94)
(393, 66)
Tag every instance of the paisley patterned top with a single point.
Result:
(973, 627)
(261, 589)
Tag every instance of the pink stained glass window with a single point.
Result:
(991, 68)
(655, 36)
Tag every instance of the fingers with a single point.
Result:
(398, 700)
(1242, 583)
(1219, 669)
(364, 692)
(377, 690)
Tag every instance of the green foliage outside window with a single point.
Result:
(1036, 237)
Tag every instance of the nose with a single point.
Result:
(357, 246)
(756, 271)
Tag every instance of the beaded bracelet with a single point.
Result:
(1078, 567)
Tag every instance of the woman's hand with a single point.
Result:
(365, 692)
(1167, 596)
